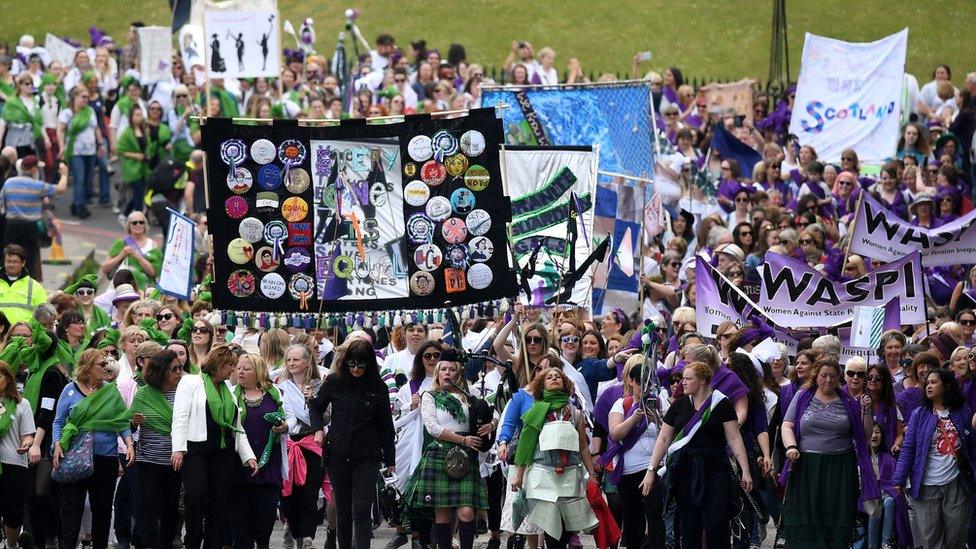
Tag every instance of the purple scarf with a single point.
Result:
(910, 399)
(869, 483)
(728, 383)
(886, 417)
(619, 448)
(847, 205)
(886, 472)
(601, 410)
(131, 242)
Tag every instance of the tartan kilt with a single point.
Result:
(430, 487)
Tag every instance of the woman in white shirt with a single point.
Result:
(546, 74)
(206, 434)
(632, 436)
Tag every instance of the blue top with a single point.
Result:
(914, 453)
(23, 197)
(594, 370)
(520, 403)
(105, 444)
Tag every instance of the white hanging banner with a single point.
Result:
(155, 54)
(849, 95)
(242, 44)
(176, 275)
(60, 50)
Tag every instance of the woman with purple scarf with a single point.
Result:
(964, 294)
(910, 390)
(887, 192)
(937, 460)
(846, 195)
(730, 183)
(632, 438)
(825, 432)
(694, 436)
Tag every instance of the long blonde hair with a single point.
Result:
(272, 346)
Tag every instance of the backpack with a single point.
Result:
(168, 175)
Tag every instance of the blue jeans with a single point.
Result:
(82, 168)
(138, 200)
(104, 185)
(882, 529)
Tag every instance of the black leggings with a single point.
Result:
(561, 543)
(42, 503)
(254, 517)
(301, 506)
(207, 479)
(100, 489)
(354, 488)
(712, 515)
(159, 486)
(641, 514)
(495, 484)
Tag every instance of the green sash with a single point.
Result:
(80, 121)
(532, 421)
(102, 410)
(273, 418)
(220, 401)
(151, 403)
(15, 112)
(132, 169)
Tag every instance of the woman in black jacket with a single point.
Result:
(360, 437)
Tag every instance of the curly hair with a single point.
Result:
(538, 383)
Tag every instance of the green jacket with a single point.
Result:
(132, 169)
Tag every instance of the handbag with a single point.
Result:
(78, 463)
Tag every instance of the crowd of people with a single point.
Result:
(132, 415)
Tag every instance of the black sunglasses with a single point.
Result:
(356, 365)
(432, 356)
(164, 316)
(137, 222)
(534, 340)
(852, 373)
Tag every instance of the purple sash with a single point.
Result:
(886, 472)
(869, 483)
(415, 386)
(601, 410)
(729, 384)
(131, 242)
(619, 448)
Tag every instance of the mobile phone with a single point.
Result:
(739, 118)
(644, 56)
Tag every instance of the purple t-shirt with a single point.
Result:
(258, 430)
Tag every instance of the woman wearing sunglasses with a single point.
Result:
(591, 370)
(135, 251)
(84, 292)
(168, 320)
(360, 439)
(201, 341)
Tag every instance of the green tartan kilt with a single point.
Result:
(430, 487)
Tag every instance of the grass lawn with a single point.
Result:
(725, 39)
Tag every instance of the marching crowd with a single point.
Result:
(131, 415)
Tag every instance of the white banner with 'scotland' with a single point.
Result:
(849, 95)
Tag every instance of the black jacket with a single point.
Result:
(361, 426)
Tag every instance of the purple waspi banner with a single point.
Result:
(717, 300)
(798, 296)
(880, 234)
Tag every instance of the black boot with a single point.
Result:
(330, 539)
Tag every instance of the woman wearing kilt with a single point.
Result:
(825, 432)
(448, 478)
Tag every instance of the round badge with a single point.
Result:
(233, 152)
(262, 151)
(301, 285)
(293, 151)
(409, 169)
(479, 222)
(298, 180)
(420, 229)
(479, 276)
(264, 259)
(462, 200)
(456, 164)
(294, 209)
(269, 177)
(428, 257)
(472, 143)
(252, 229)
(420, 148)
(445, 143)
(275, 232)
(273, 286)
(266, 203)
(439, 208)
(457, 256)
(240, 180)
(433, 173)
(480, 249)
(476, 178)
(422, 283)
(240, 251)
(241, 283)
(297, 259)
(236, 207)
(377, 195)
(454, 231)
(416, 193)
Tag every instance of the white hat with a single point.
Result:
(125, 292)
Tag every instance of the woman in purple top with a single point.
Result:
(769, 176)
(730, 183)
(909, 392)
(672, 81)
(880, 389)
(887, 191)
(257, 495)
(936, 460)
(949, 203)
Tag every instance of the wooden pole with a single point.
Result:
(850, 232)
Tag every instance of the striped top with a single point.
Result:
(153, 447)
(23, 195)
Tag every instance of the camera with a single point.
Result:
(521, 44)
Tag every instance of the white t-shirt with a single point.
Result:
(119, 121)
(23, 424)
(941, 467)
(639, 456)
(84, 142)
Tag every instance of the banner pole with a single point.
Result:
(850, 232)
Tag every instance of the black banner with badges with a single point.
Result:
(357, 217)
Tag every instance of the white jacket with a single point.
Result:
(190, 418)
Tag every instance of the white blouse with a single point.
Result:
(437, 420)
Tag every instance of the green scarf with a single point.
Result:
(532, 424)
(125, 102)
(132, 170)
(30, 355)
(111, 338)
(7, 419)
(15, 112)
(150, 402)
(273, 418)
(99, 320)
(155, 334)
(154, 257)
(102, 410)
(80, 121)
(221, 404)
(185, 331)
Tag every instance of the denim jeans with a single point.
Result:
(104, 185)
(82, 168)
(138, 200)
(882, 529)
